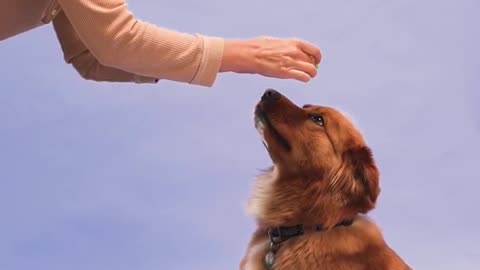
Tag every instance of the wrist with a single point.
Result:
(238, 56)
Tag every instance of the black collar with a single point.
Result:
(283, 233)
(279, 234)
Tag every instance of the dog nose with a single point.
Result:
(271, 95)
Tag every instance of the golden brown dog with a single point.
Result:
(310, 205)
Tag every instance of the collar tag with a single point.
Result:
(269, 260)
(277, 235)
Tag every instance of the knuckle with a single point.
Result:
(283, 64)
(285, 70)
(296, 51)
(293, 42)
(296, 42)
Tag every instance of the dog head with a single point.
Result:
(319, 155)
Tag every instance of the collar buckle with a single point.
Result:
(275, 235)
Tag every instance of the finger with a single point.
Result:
(297, 75)
(310, 49)
(306, 67)
(300, 55)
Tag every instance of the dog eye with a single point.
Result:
(318, 119)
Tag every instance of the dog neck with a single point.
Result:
(278, 235)
(282, 233)
(287, 201)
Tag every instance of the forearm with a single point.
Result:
(90, 69)
(119, 40)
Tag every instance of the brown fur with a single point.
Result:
(321, 175)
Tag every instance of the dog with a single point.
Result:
(310, 206)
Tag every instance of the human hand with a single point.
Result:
(272, 57)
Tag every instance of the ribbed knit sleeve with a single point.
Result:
(117, 39)
(85, 63)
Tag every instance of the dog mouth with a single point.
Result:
(262, 123)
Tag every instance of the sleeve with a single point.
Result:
(84, 62)
(118, 40)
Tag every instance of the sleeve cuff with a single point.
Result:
(212, 55)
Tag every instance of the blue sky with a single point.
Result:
(116, 176)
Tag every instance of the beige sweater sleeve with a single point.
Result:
(119, 41)
(82, 59)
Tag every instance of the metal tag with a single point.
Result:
(269, 260)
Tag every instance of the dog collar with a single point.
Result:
(280, 234)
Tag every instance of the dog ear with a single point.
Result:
(363, 169)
